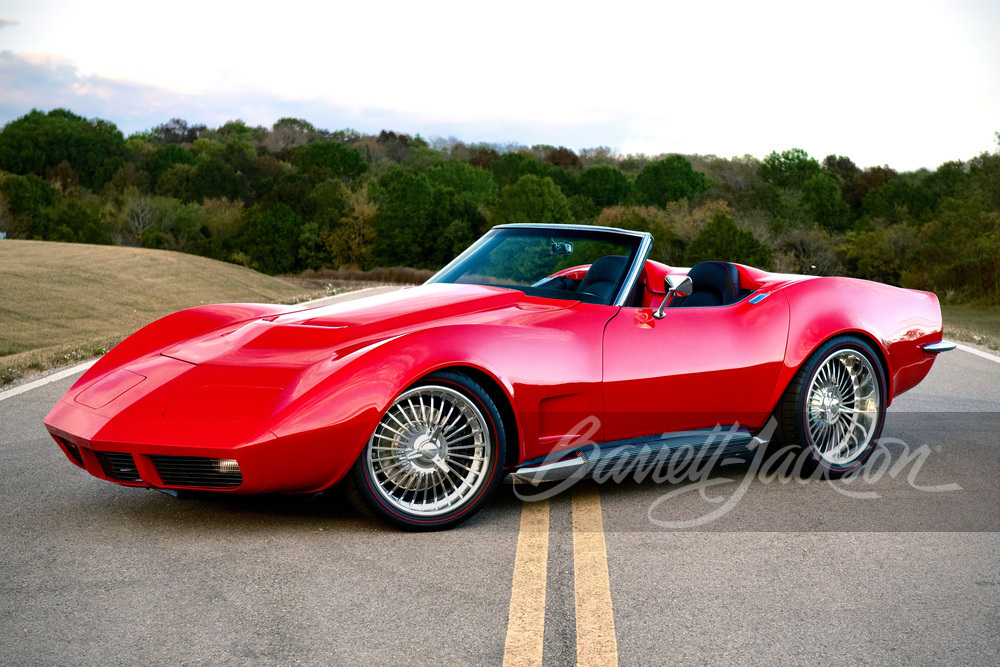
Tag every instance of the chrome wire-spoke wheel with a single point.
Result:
(431, 452)
(843, 407)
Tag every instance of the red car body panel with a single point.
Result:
(293, 395)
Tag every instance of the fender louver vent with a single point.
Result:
(73, 450)
(198, 471)
(117, 466)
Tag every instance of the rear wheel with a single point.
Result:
(435, 456)
(834, 408)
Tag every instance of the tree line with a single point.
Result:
(295, 197)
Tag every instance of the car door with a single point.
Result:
(693, 369)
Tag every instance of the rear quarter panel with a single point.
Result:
(896, 321)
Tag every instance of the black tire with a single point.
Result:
(410, 461)
(805, 421)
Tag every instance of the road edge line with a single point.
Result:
(48, 379)
(978, 353)
(337, 296)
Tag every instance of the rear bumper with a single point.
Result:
(940, 346)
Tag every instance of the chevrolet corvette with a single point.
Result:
(536, 354)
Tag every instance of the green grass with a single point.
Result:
(972, 324)
(65, 302)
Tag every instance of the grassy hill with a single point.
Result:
(61, 302)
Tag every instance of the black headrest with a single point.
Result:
(713, 284)
(607, 268)
(603, 275)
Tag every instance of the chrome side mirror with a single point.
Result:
(674, 285)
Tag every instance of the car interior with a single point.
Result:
(714, 283)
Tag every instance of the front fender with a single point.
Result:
(550, 375)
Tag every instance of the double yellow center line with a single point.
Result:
(595, 622)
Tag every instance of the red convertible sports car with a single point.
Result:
(533, 345)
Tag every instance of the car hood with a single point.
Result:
(305, 337)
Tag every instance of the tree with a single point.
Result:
(562, 157)
(840, 167)
(176, 182)
(532, 199)
(606, 186)
(476, 185)
(878, 254)
(667, 180)
(177, 131)
(270, 236)
(215, 178)
(453, 219)
(290, 133)
(164, 158)
(223, 221)
(394, 146)
(946, 179)
(512, 166)
(984, 180)
(484, 158)
(812, 251)
(822, 202)
(900, 200)
(788, 169)
(77, 220)
(63, 179)
(667, 247)
(722, 240)
(140, 218)
(26, 195)
(854, 192)
(95, 149)
(331, 160)
(353, 241)
(405, 202)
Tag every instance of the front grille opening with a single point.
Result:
(73, 450)
(118, 466)
(203, 472)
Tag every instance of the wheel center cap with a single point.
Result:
(830, 405)
(425, 450)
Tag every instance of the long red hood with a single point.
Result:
(305, 337)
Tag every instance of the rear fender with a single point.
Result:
(896, 321)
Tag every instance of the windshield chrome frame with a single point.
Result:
(645, 243)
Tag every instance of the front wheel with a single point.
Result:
(435, 456)
(834, 408)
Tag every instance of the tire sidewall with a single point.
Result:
(484, 404)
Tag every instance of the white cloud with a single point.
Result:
(47, 81)
(907, 82)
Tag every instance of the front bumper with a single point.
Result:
(242, 469)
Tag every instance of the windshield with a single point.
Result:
(580, 264)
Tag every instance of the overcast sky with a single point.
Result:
(909, 83)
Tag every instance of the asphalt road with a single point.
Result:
(876, 572)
